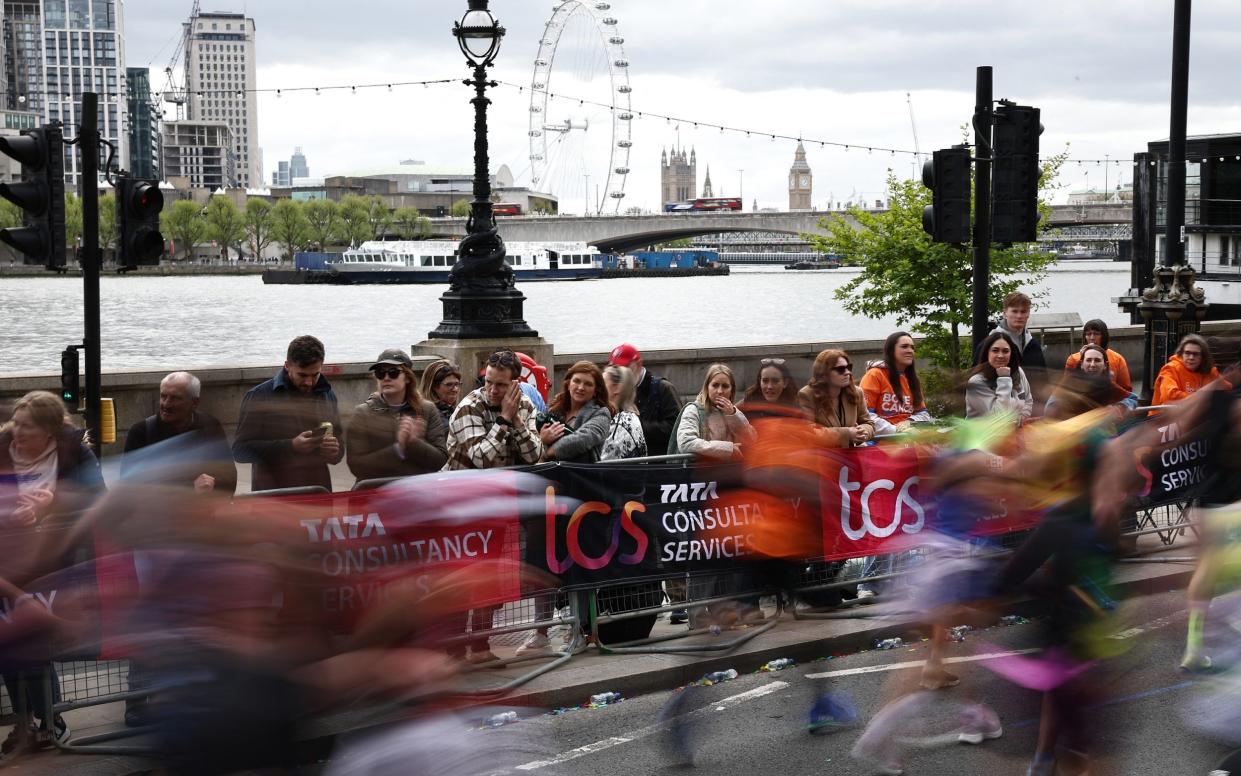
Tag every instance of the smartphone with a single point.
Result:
(318, 432)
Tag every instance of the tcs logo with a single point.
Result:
(884, 487)
(576, 555)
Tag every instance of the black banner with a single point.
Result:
(1177, 468)
(615, 522)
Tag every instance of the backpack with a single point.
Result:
(673, 447)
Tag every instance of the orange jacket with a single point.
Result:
(881, 397)
(1176, 382)
(1115, 362)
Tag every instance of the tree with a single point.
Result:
(225, 223)
(73, 221)
(289, 226)
(107, 221)
(183, 224)
(10, 217)
(322, 221)
(924, 285)
(258, 225)
(460, 208)
(410, 223)
(378, 217)
(355, 223)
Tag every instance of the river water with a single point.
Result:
(191, 322)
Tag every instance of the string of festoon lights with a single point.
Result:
(752, 133)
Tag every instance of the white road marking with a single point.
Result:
(917, 664)
(643, 732)
(1148, 627)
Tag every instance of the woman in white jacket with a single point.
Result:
(998, 384)
(711, 426)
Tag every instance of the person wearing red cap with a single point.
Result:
(658, 404)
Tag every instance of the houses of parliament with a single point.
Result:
(678, 178)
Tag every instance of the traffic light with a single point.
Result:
(138, 239)
(947, 175)
(1014, 177)
(40, 195)
(70, 387)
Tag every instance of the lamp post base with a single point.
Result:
(483, 313)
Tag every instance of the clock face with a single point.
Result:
(805, 181)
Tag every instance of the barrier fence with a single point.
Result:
(622, 543)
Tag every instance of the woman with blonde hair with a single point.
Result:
(835, 403)
(711, 426)
(395, 432)
(625, 438)
(48, 474)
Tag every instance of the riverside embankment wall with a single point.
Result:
(136, 393)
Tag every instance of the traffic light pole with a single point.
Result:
(88, 147)
(980, 324)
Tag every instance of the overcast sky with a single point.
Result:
(835, 71)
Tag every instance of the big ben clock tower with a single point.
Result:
(800, 179)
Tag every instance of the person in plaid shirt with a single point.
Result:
(494, 425)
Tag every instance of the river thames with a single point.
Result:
(194, 322)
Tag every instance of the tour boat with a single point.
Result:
(430, 261)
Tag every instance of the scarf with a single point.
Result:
(36, 472)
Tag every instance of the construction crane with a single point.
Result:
(917, 151)
(175, 91)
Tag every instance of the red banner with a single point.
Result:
(872, 502)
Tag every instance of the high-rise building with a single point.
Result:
(678, 176)
(145, 143)
(297, 164)
(55, 50)
(11, 125)
(800, 179)
(201, 152)
(220, 83)
(280, 176)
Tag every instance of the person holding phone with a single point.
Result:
(395, 432)
(284, 432)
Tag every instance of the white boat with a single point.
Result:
(430, 261)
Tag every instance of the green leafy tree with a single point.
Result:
(225, 224)
(460, 208)
(289, 227)
(10, 217)
(107, 221)
(378, 217)
(73, 221)
(323, 220)
(410, 223)
(355, 220)
(926, 286)
(258, 225)
(184, 224)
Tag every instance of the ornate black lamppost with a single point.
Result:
(482, 301)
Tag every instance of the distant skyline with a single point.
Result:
(838, 72)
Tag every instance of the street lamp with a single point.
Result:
(482, 300)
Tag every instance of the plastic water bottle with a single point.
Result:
(716, 677)
(502, 719)
(958, 633)
(604, 698)
(893, 643)
(1010, 619)
(778, 665)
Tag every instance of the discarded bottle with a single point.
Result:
(778, 665)
(604, 698)
(1012, 619)
(714, 629)
(893, 643)
(502, 719)
(958, 633)
(716, 677)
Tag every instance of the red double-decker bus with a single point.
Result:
(717, 203)
(506, 209)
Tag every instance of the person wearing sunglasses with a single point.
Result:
(774, 392)
(1187, 371)
(893, 392)
(395, 432)
(441, 384)
(834, 402)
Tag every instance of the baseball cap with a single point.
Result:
(624, 354)
(393, 356)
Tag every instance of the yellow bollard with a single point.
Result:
(107, 422)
